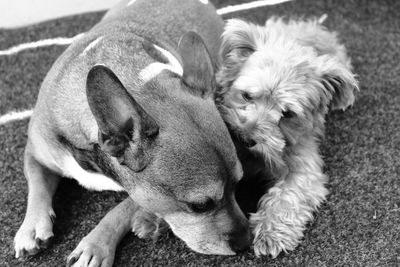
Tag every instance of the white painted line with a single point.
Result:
(322, 18)
(91, 45)
(66, 41)
(41, 43)
(131, 2)
(250, 5)
(15, 116)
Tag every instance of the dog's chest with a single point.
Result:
(90, 170)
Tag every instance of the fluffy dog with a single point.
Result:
(277, 82)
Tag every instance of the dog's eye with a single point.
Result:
(202, 206)
(288, 114)
(246, 96)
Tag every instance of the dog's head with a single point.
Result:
(172, 152)
(278, 81)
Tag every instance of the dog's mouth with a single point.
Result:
(211, 248)
(213, 245)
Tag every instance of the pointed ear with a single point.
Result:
(198, 67)
(338, 81)
(117, 114)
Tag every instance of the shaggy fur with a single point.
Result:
(277, 83)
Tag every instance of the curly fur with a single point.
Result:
(146, 224)
(277, 83)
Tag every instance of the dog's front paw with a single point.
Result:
(278, 226)
(146, 224)
(91, 253)
(35, 234)
(269, 240)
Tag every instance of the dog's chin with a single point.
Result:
(212, 249)
(201, 245)
(200, 236)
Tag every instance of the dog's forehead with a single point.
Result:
(198, 190)
(287, 83)
(197, 169)
(187, 187)
(268, 69)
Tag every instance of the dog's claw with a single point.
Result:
(23, 254)
(71, 260)
(44, 243)
(91, 253)
(33, 251)
(20, 254)
(52, 216)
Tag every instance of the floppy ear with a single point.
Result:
(239, 41)
(240, 38)
(198, 68)
(338, 81)
(117, 114)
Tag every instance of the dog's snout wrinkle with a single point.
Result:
(239, 237)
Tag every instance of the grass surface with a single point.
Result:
(359, 225)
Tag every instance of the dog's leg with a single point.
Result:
(284, 211)
(98, 247)
(36, 231)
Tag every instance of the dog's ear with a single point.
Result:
(117, 114)
(198, 67)
(338, 80)
(240, 38)
(239, 41)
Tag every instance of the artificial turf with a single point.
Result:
(359, 224)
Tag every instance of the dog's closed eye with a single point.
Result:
(246, 96)
(201, 207)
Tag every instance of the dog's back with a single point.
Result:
(123, 28)
(143, 16)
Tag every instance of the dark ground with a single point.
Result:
(359, 225)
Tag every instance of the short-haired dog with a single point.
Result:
(129, 106)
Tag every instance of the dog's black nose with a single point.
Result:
(240, 241)
(250, 143)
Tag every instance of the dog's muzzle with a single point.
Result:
(240, 240)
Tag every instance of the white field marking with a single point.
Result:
(131, 2)
(322, 18)
(250, 5)
(66, 41)
(153, 69)
(15, 116)
(204, 1)
(91, 45)
(41, 43)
